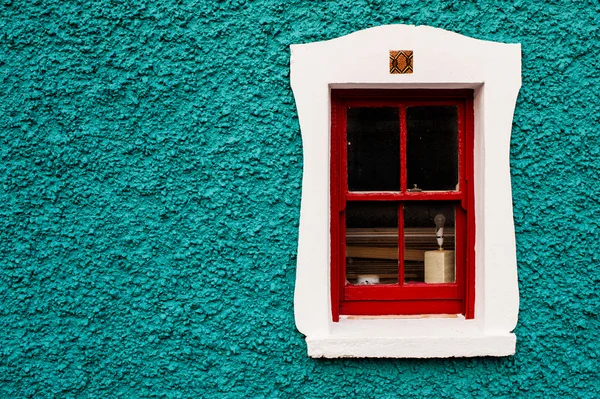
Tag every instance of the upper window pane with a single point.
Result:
(373, 136)
(432, 147)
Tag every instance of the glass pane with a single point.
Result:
(372, 243)
(432, 147)
(373, 149)
(424, 261)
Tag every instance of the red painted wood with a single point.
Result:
(342, 141)
(463, 156)
(376, 308)
(469, 177)
(390, 292)
(460, 211)
(403, 148)
(382, 94)
(401, 248)
(334, 202)
(460, 257)
(403, 298)
(408, 196)
(343, 189)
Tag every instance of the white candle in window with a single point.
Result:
(439, 221)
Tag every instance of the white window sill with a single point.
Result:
(413, 347)
(409, 337)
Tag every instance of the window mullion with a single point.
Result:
(402, 114)
(401, 244)
(401, 249)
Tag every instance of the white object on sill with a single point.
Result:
(439, 267)
(367, 279)
(439, 229)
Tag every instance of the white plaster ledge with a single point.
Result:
(412, 347)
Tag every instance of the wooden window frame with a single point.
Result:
(413, 298)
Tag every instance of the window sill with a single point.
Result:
(469, 345)
(414, 337)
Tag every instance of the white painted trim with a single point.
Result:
(469, 346)
(442, 59)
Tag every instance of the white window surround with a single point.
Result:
(442, 60)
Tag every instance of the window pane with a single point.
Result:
(424, 261)
(372, 243)
(432, 147)
(373, 149)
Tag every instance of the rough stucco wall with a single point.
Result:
(151, 177)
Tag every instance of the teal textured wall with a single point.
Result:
(150, 190)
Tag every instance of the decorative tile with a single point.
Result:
(401, 61)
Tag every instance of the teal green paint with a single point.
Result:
(151, 180)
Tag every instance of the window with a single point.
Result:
(384, 72)
(401, 162)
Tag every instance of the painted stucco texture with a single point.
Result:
(150, 183)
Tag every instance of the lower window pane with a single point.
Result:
(371, 243)
(429, 243)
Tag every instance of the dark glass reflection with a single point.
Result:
(371, 243)
(420, 237)
(373, 136)
(432, 147)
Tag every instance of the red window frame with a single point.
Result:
(403, 298)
